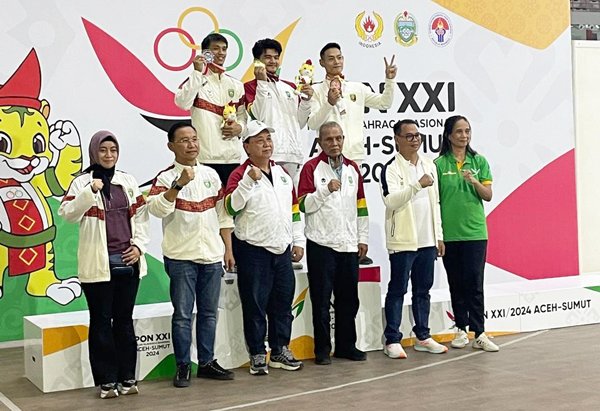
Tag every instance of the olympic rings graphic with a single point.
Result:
(181, 33)
(188, 41)
(185, 14)
(240, 47)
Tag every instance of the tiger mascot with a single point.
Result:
(37, 161)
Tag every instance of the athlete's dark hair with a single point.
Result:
(448, 127)
(175, 127)
(329, 46)
(261, 45)
(399, 124)
(213, 38)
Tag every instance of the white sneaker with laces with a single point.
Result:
(128, 387)
(394, 350)
(483, 343)
(109, 390)
(285, 360)
(461, 339)
(430, 345)
(258, 364)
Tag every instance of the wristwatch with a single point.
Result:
(175, 185)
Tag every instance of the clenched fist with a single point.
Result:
(255, 173)
(187, 175)
(97, 185)
(334, 185)
(426, 180)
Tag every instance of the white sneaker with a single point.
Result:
(461, 339)
(109, 390)
(430, 345)
(128, 387)
(483, 343)
(394, 350)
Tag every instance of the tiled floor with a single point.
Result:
(547, 370)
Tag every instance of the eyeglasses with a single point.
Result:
(187, 141)
(412, 137)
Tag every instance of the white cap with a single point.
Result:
(254, 127)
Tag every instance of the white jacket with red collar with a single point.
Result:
(205, 95)
(266, 215)
(274, 103)
(338, 220)
(81, 205)
(191, 224)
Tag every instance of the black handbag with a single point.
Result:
(118, 267)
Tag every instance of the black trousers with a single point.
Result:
(266, 283)
(112, 345)
(332, 271)
(223, 170)
(464, 262)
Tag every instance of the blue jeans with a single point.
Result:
(200, 282)
(418, 265)
(266, 283)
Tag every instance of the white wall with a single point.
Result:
(586, 90)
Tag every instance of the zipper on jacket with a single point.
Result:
(393, 228)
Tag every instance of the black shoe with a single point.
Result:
(215, 371)
(182, 377)
(323, 360)
(354, 354)
(365, 260)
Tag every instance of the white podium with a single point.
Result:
(56, 345)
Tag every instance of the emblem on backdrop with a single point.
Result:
(405, 27)
(440, 29)
(369, 28)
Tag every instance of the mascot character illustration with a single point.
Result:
(37, 161)
(305, 76)
(229, 114)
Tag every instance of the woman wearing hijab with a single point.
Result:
(113, 233)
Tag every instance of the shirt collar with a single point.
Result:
(272, 77)
(407, 162)
(330, 161)
(215, 69)
(179, 166)
(468, 158)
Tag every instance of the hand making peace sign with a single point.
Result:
(390, 69)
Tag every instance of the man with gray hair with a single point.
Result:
(331, 195)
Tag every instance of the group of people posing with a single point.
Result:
(218, 214)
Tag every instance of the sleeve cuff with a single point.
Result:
(300, 243)
(166, 204)
(247, 181)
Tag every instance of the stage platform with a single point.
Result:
(56, 345)
(56, 351)
(520, 306)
